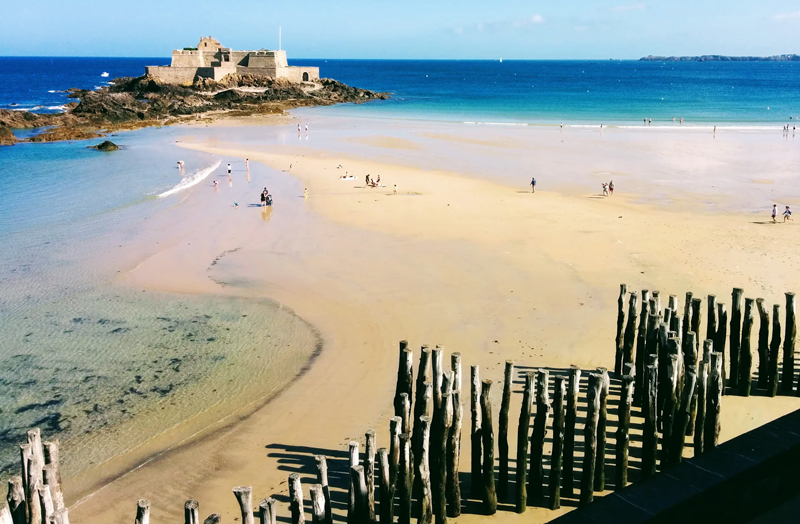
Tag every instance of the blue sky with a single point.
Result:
(406, 29)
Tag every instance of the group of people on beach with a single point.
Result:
(787, 214)
(299, 129)
(608, 188)
(372, 183)
(266, 198)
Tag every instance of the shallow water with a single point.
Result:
(102, 366)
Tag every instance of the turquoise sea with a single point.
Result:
(105, 369)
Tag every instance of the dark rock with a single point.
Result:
(106, 146)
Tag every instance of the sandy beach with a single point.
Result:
(463, 255)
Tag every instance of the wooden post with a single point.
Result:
(191, 512)
(502, 432)
(405, 407)
(649, 434)
(623, 291)
(360, 490)
(322, 480)
(475, 434)
(787, 379)
(46, 500)
(735, 334)
(52, 472)
(386, 488)
(690, 359)
(745, 352)
(424, 473)
(697, 317)
(423, 376)
(630, 331)
(713, 402)
(662, 361)
(244, 496)
(405, 377)
(558, 442)
(682, 417)
(142, 512)
(214, 518)
(34, 481)
(711, 326)
(670, 402)
(763, 344)
(641, 341)
(573, 388)
(602, 423)
(536, 478)
(317, 504)
(353, 460)
(455, 367)
(16, 500)
(395, 426)
(5, 515)
(404, 480)
(700, 420)
(296, 499)
(623, 432)
(590, 439)
(443, 421)
(438, 376)
(454, 457)
(721, 339)
(369, 473)
(774, 352)
(266, 511)
(522, 444)
(487, 436)
(424, 408)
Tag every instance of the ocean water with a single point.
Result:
(103, 367)
(106, 369)
(513, 91)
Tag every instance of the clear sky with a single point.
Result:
(509, 29)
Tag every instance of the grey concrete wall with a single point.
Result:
(736, 482)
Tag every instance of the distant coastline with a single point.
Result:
(721, 58)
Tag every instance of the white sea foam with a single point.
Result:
(496, 123)
(57, 108)
(191, 180)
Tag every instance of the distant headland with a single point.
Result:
(722, 58)
(206, 82)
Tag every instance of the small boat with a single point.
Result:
(104, 75)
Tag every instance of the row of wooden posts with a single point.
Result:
(35, 496)
(658, 363)
(647, 332)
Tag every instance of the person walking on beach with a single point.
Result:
(306, 130)
(605, 189)
(611, 187)
(298, 130)
(774, 213)
(787, 215)
(533, 185)
(229, 170)
(394, 191)
(247, 164)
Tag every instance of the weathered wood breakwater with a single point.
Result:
(419, 471)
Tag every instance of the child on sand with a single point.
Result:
(787, 215)
(533, 185)
(774, 213)
(611, 187)
(394, 191)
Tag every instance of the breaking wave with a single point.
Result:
(191, 180)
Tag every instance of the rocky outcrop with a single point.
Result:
(130, 103)
(106, 145)
(7, 138)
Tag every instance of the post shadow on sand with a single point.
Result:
(300, 459)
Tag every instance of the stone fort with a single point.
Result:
(211, 60)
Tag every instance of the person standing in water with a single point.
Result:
(229, 170)
(533, 184)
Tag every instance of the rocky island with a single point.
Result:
(203, 84)
(722, 58)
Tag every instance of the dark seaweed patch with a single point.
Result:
(49, 403)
